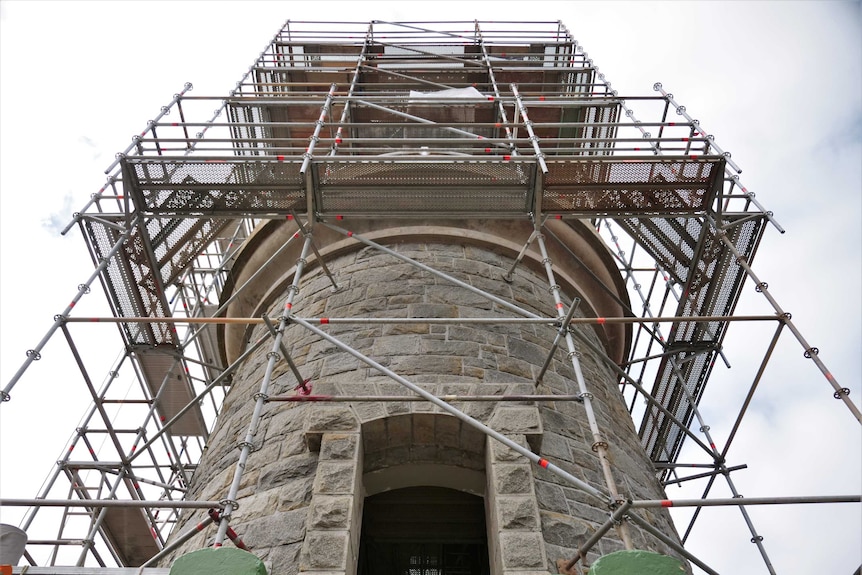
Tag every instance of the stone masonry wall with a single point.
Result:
(301, 494)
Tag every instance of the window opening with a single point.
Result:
(423, 531)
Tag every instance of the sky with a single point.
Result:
(779, 85)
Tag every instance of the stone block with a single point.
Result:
(556, 446)
(335, 477)
(279, 528)
(522, 550)
(295, 493)
(281, 472)
(374, 436)
(255, 505)
(448, 431)
(339, 363)
(550, 497)
(432, 310)
(423, 429)
(328, 418)
(399, 431)
(515, 367)
(330, 512)
(396, 345)
(339, 446)
(503, 453)
(516, 419)
(284, 558)
(324, 550)
(562, 530)
(456, 348)
(512, 478)
(516, 512)
(418, 364)
(531, 353)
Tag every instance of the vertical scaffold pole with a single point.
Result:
(260, 397)
(600, 445)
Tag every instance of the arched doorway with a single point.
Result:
(423, 531)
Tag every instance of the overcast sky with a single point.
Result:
(778, 84)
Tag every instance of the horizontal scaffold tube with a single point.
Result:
(746, 501)
(430, 320)
(391, 398)
(99, 503)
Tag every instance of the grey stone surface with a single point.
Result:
(512, 478)
(561, 529)
(516, 512)
(302, 490)
(522, 551)
(330, 512)
(279, 528)
(335, 477)
(339, 446)
(324, 550)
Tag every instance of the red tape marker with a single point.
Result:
(543, 463)
(324, 320)
(600, 320)
(667, 503)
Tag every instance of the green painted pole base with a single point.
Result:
(221, 561)
(634, 563)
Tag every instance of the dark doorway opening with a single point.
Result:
(423, 531)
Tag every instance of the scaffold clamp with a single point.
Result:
(304, 388)
(599, 444)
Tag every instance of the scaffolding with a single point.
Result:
(340, 122)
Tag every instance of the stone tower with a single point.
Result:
(316, 465)
(420, 401)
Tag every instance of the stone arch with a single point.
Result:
(422, 449)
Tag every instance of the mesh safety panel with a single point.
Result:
(614, 186)
(130, 282)
(424, 187)
(246, 130)
(186, 186)
(670, 241)
(714, 287)
(134, 280)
